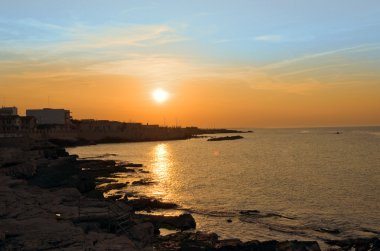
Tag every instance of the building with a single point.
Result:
(47, 116)
(28, 123)
(10, 123)
(8, 111)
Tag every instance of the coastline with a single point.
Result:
(46, 192)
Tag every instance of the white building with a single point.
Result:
(47, 116)
(8, 111)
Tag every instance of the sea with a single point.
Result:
(283, 184)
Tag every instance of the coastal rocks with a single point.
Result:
(128, 170)
(112, 186)
(328, 230)
(204, 241)
(133, 165)
(46, 234)
(111, 242)
(225, 138)
(186, 241)
(246, 215)
(357, 244)
(295, 245)
(23, 170)
(143, 233)
(149, 204)
(181, 222)
(85, 184)
(142, 182)
(17, 163)
(105, 180)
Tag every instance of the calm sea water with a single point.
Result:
(305, 183)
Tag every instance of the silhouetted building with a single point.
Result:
(10, 123)
(49, 116)
(28, 123)
(14, 123)
(8, 111)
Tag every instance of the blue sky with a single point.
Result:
(290, 46)
(245, 31)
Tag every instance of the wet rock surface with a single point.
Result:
(181, 222)
(356, 244)
(145, 203)
(226, 138)
(205, 241)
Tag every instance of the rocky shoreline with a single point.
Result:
(53, 200)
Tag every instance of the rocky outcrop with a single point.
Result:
(211, 242)
(181, 222)
(356, 244)
(144, 203)
(225, 138)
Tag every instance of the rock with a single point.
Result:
(226, 138)
(249, 212)
(142, 182)
(113, 186)
(85, 184)
(105, 180)
(328, 230)
(187, 241)
(129, 170)
(181, 222)
(149, 204)
(115, 197)
(133, 165)
(67, 194)
(22, 170)
(358, 244)
(95, 194)
(298, 246)
(229, 244)
(143, 233)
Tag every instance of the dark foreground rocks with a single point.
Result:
(203, 241)
(180, 222)
(149, 204)
(356, 244)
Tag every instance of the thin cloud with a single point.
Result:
(269, 38)
(354, 49)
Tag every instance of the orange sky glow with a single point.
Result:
(295, 69)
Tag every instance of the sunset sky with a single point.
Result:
(241, 63)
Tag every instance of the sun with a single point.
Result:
(160, 95)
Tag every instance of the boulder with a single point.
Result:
(23, 170)
(142, 182)
(143, 233)
(149, 204)
(357, 244)
(112, 186)
(181, 222)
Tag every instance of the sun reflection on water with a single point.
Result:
(161, 164)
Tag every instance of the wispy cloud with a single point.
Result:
(269, 38)
(116, 36)
(227, 40)
(24, 36)
(262, 38)
(353, 49)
